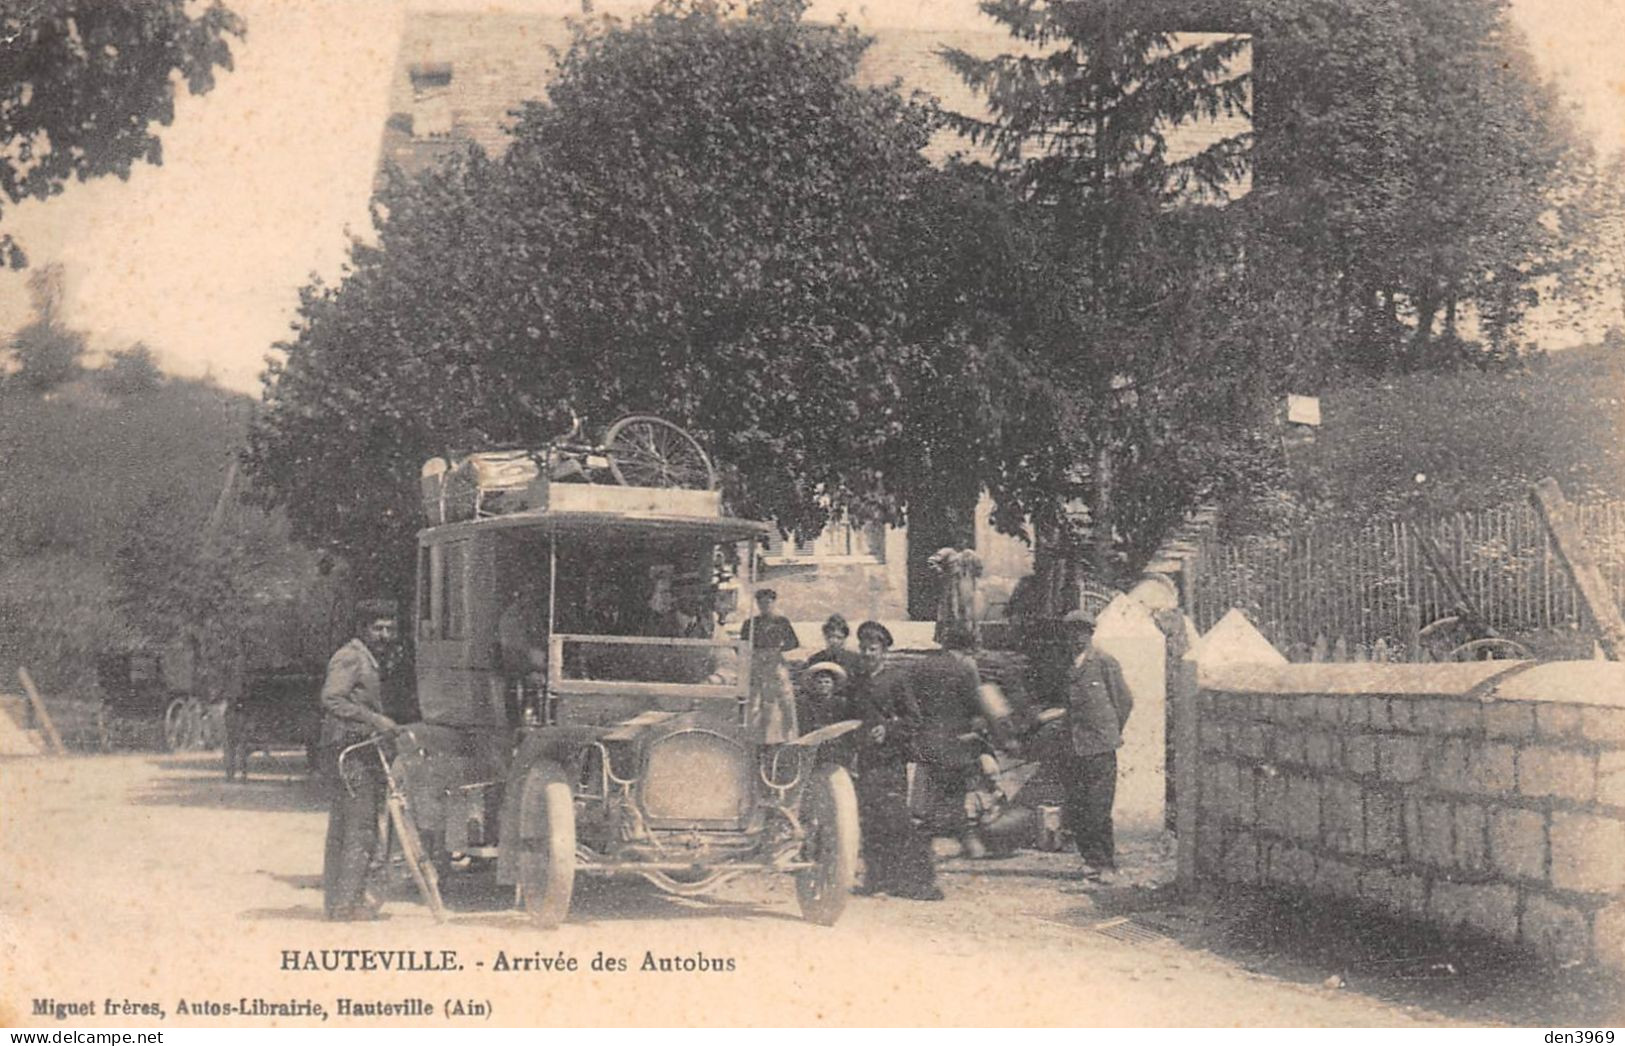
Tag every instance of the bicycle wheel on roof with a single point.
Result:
(645, 451)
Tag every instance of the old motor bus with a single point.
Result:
(584, 711)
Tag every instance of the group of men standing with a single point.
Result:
(920, 714)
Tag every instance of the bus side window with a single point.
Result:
(425, 593)
(452, 613)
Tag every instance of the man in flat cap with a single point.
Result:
(352, 694)
(1098, 706)
(896, 854)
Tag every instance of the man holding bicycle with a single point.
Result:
(353, 706)
(352, 693)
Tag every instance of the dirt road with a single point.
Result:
(151, 880)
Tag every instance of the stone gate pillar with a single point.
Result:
(1127, 629)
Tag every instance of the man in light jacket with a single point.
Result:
(352, 693)
(1098, 706)
(353, 706)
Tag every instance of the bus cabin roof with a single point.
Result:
(594, 524)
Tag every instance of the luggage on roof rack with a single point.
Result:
(475, 486)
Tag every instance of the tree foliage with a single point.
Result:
(80, 474)
(1603, 275)
(1410, 155)
(82, 82)
(707, 219)
(210, 586)
(131, 371)
(45, 352)
(1408, 167)
(174, 588)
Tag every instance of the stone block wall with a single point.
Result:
(1485, 798)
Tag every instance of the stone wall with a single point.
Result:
(1485, 798)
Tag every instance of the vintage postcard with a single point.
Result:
(779, 514)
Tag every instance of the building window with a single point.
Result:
(431, 99)
(840, 542)
(429, 76)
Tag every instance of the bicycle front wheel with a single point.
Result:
(646, 451)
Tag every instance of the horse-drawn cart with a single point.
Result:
(140, 707)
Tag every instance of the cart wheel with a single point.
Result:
(646, 451)
(212, 725)
(829, 813)
(1438, 638)
(1438, 626)
(547, 846)
(357, 836)
(1497, 649)
(177, 725)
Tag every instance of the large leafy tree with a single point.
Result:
(981, 409)
(83, 81)
(176, 588)
(1412, 158)
(220, 586)
(1491, 150)
(707, 219)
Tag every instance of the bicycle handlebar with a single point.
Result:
(374, 739)
(374, 742)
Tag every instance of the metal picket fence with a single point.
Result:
(1372, 589)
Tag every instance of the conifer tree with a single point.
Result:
(1082, 119)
